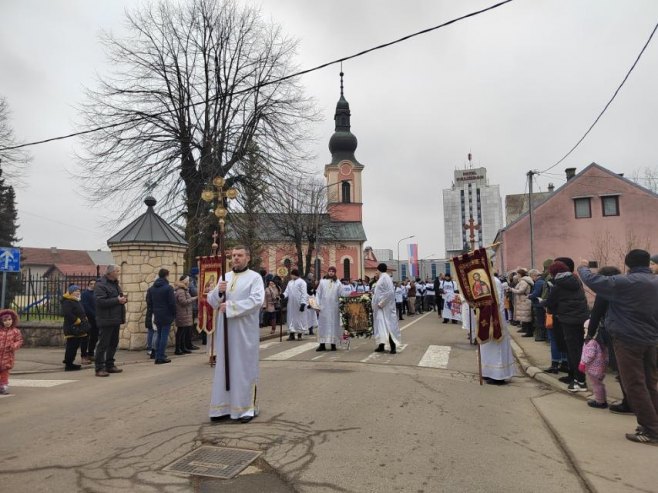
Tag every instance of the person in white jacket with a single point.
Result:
(297, 296)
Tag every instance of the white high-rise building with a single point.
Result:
(473, 211)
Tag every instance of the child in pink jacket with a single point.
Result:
(593, 362)
(10, 340)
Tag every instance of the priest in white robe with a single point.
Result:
(452, 305)
(498, 365)
(385, 319)
(329, 326)
(240, 297)
(297, 296)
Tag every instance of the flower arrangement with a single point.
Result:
(356, 314)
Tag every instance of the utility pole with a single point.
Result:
(530, 175)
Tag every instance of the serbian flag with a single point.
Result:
(473, 273)
(413, 260)
(210, 269)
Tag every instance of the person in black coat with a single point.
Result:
(88, 301)
(110, 314)
(568, 304)
(75, 327)
(161, 302)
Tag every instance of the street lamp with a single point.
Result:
(422, 265)
(399, 273)
(222, 194)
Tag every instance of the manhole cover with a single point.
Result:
(214, 462)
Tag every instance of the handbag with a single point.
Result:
(79, 330)
(549, 321)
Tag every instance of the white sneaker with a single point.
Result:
(576, 386)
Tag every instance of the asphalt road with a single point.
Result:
(345, 421)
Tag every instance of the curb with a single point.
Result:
(538, 374)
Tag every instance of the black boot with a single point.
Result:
(310, 331)
(390, 341)
(553, 368)
(179, 341)
(299, 336)
(380, 349)
(564, 367)
(333, 347)
(321, 347)
(291, 336)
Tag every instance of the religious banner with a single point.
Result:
(413, 260)
(210, 270)
(473, 274)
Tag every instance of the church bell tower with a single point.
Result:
(343, 174)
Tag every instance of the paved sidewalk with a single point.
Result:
(49, 359)
(593, 439)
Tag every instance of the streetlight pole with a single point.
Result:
(422, 265)
(399, 273)
(222, 194)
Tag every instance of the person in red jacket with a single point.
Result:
(10, 340)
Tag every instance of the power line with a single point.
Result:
(608, 104)
(264, 84)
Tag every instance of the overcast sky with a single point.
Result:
(517, 87)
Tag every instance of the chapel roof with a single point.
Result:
(148, 228)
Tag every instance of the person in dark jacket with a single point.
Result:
(568, 305)
(75, 327)
(110, 314)
(88, 301)
(632, 321)
(161, 302)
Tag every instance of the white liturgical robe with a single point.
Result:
(497, 357)
(297, 296)
(329, 327)
(244, 297)
(385, 318)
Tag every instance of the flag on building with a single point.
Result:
(473, 273)
(413, 260)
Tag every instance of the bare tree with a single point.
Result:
(647, 177)
(193, 87)
(12, 161)
(301, 218)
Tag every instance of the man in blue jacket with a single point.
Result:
(632, 321)
(161, 302)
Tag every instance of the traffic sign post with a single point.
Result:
(10, 261)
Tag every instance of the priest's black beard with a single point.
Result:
(237, 271)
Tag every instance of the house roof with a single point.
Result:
(148, 228)
(268, 227)
(575, 178)
(49, 256)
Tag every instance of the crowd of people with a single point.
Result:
(619, 333)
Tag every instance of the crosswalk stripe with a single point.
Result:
(270, 344)
(436, 357)
(291, 353)
(380, 356)
(17, 382)
(414, 321)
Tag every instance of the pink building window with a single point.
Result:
(610, 205)
(583, 207)
(346, 269)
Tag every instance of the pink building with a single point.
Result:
(342, 246)
(596, 214)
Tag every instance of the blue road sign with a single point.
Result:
(10, 259)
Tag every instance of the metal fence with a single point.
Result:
(40, 298)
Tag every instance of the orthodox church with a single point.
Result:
(340, 243)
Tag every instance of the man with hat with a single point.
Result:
(328, 296)
(632, 321)
(385, 320)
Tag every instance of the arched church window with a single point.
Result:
(346, 269)
(346, 192)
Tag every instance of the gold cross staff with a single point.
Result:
(221, 211)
